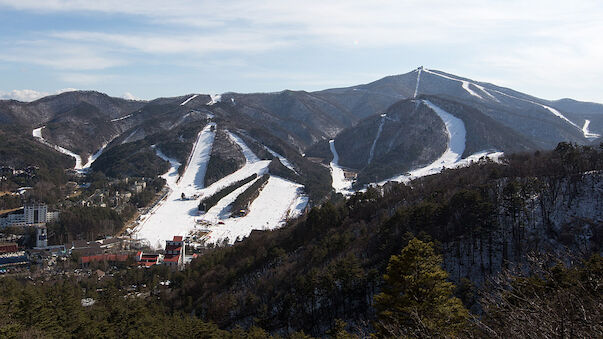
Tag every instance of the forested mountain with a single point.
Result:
(484, 218)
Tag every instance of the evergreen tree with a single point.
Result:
(417, 300)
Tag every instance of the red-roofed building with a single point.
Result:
(174, 252)
(9, 247)
(109, 257)
(148, 259)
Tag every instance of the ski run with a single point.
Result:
(379, 130)
(279, 200)
(451, 158)
(122, 118)
(419, 70)
(588, 134)
(79, 166)
(214, 99)
(339, 182)
(189, 99)
(465, 84)
(37, 133)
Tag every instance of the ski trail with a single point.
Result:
(455, 128)
(37, 133)
(171, 176)
(464, 83)
(283, 160)
(481, 88)
(418, 81)
(338, 177)
(173, 215)
(587, 133)
(250, 157)
(122, 118)
(96, 154)
(548, 108)
(372, 151)
(129, 136)
(215, 98)
(189, 99)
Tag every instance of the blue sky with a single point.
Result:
(152, 48)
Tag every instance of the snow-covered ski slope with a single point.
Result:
(339, 183)
(465, 84)
(451, 158)
(588, 134)
(283, 160)
(171, 176)
(214, 99)
(173, 216)
(189, 99)
(37, 133)
(279, 200)
(419, 70)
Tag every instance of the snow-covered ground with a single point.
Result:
(95, 156)
(455, 128)
(379, 130)
(173, 216)
(215, 98)
(189, 99)
(37, 133)
(588, 134)
(340, 184)
(279, 200)
(283, 160)
(171, 176)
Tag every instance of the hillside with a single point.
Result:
(484, 217)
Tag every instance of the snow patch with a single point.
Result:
(189, 99)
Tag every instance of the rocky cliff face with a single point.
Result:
(558, 215)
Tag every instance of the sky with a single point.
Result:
(157, 48)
